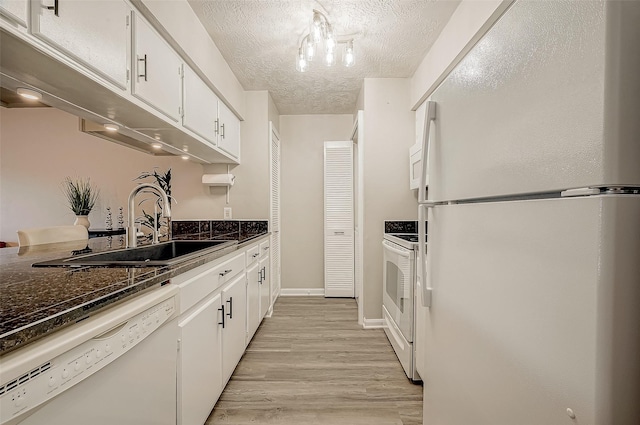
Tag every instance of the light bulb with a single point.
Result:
(309, 50)
(348, 58)
(111, 127)
(330, 40)
(330, 58)
(301, 62)
(156, 145)
(185, 157)
(29, 94)
(315, 29)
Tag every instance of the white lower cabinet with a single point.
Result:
(265, 289)
(221, 306)
(200, 362)
(234, 300)
(253, 300)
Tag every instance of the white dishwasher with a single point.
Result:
(117, 367)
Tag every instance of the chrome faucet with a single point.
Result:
(132, 240)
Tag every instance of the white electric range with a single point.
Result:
(399, 298)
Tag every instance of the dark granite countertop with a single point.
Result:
(34, 302)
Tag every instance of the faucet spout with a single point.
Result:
(132, 240)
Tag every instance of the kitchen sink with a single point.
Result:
(162, 254)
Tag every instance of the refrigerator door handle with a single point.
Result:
(430, 115)
(423, 273)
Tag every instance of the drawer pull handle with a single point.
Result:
(54, 7)
(222, 310)
(226, 272)
(230, 313)
(145, 67)
(255, 255)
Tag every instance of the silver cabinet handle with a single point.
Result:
(230, 313)
(265, 248)
(255, 255)
(222, 310)
(145, 67)
(217, 124)
(222, 134)
(226, 272)
(338, 233)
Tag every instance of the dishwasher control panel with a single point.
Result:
(40, 384)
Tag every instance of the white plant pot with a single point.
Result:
(82, 220)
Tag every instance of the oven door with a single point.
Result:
(398, 274)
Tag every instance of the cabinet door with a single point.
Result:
(253, 300)
(15, 10)
(265, 289)
(234, 298)
(157, 70)
(94, 33)
(200, 104)
(229, 135)
(200, 363)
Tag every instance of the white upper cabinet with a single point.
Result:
(157, 70)
(229, 134)
(15, 10)
(200, 104)
(94, 33)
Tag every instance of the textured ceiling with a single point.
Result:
(260, 39)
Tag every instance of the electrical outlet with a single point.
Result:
(227, 213)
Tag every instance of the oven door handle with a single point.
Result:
(404, 252)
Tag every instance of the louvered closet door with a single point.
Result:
(275, 213)
(338, 220)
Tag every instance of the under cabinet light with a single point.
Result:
(29, 94)
(156, 145)
(111, 127)
(185, 157)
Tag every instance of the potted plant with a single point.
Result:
(82, 197)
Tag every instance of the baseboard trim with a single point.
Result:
(373, 323)
(301, 292)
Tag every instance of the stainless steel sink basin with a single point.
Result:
(162, 254)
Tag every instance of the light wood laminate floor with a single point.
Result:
(311, 363)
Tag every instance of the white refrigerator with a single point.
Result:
(531, 280)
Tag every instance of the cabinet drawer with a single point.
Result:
(252, 254)
(264, 248)
(230, 268)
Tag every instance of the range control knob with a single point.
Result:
(98, 353)
(20, 400)
(77, 366)
(65, 373)
(52, 382)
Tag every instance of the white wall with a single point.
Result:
(41, 146)
(388, 134)
(302, 194)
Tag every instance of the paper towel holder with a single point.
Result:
(218, 179)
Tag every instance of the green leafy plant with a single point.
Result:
(81, 195)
